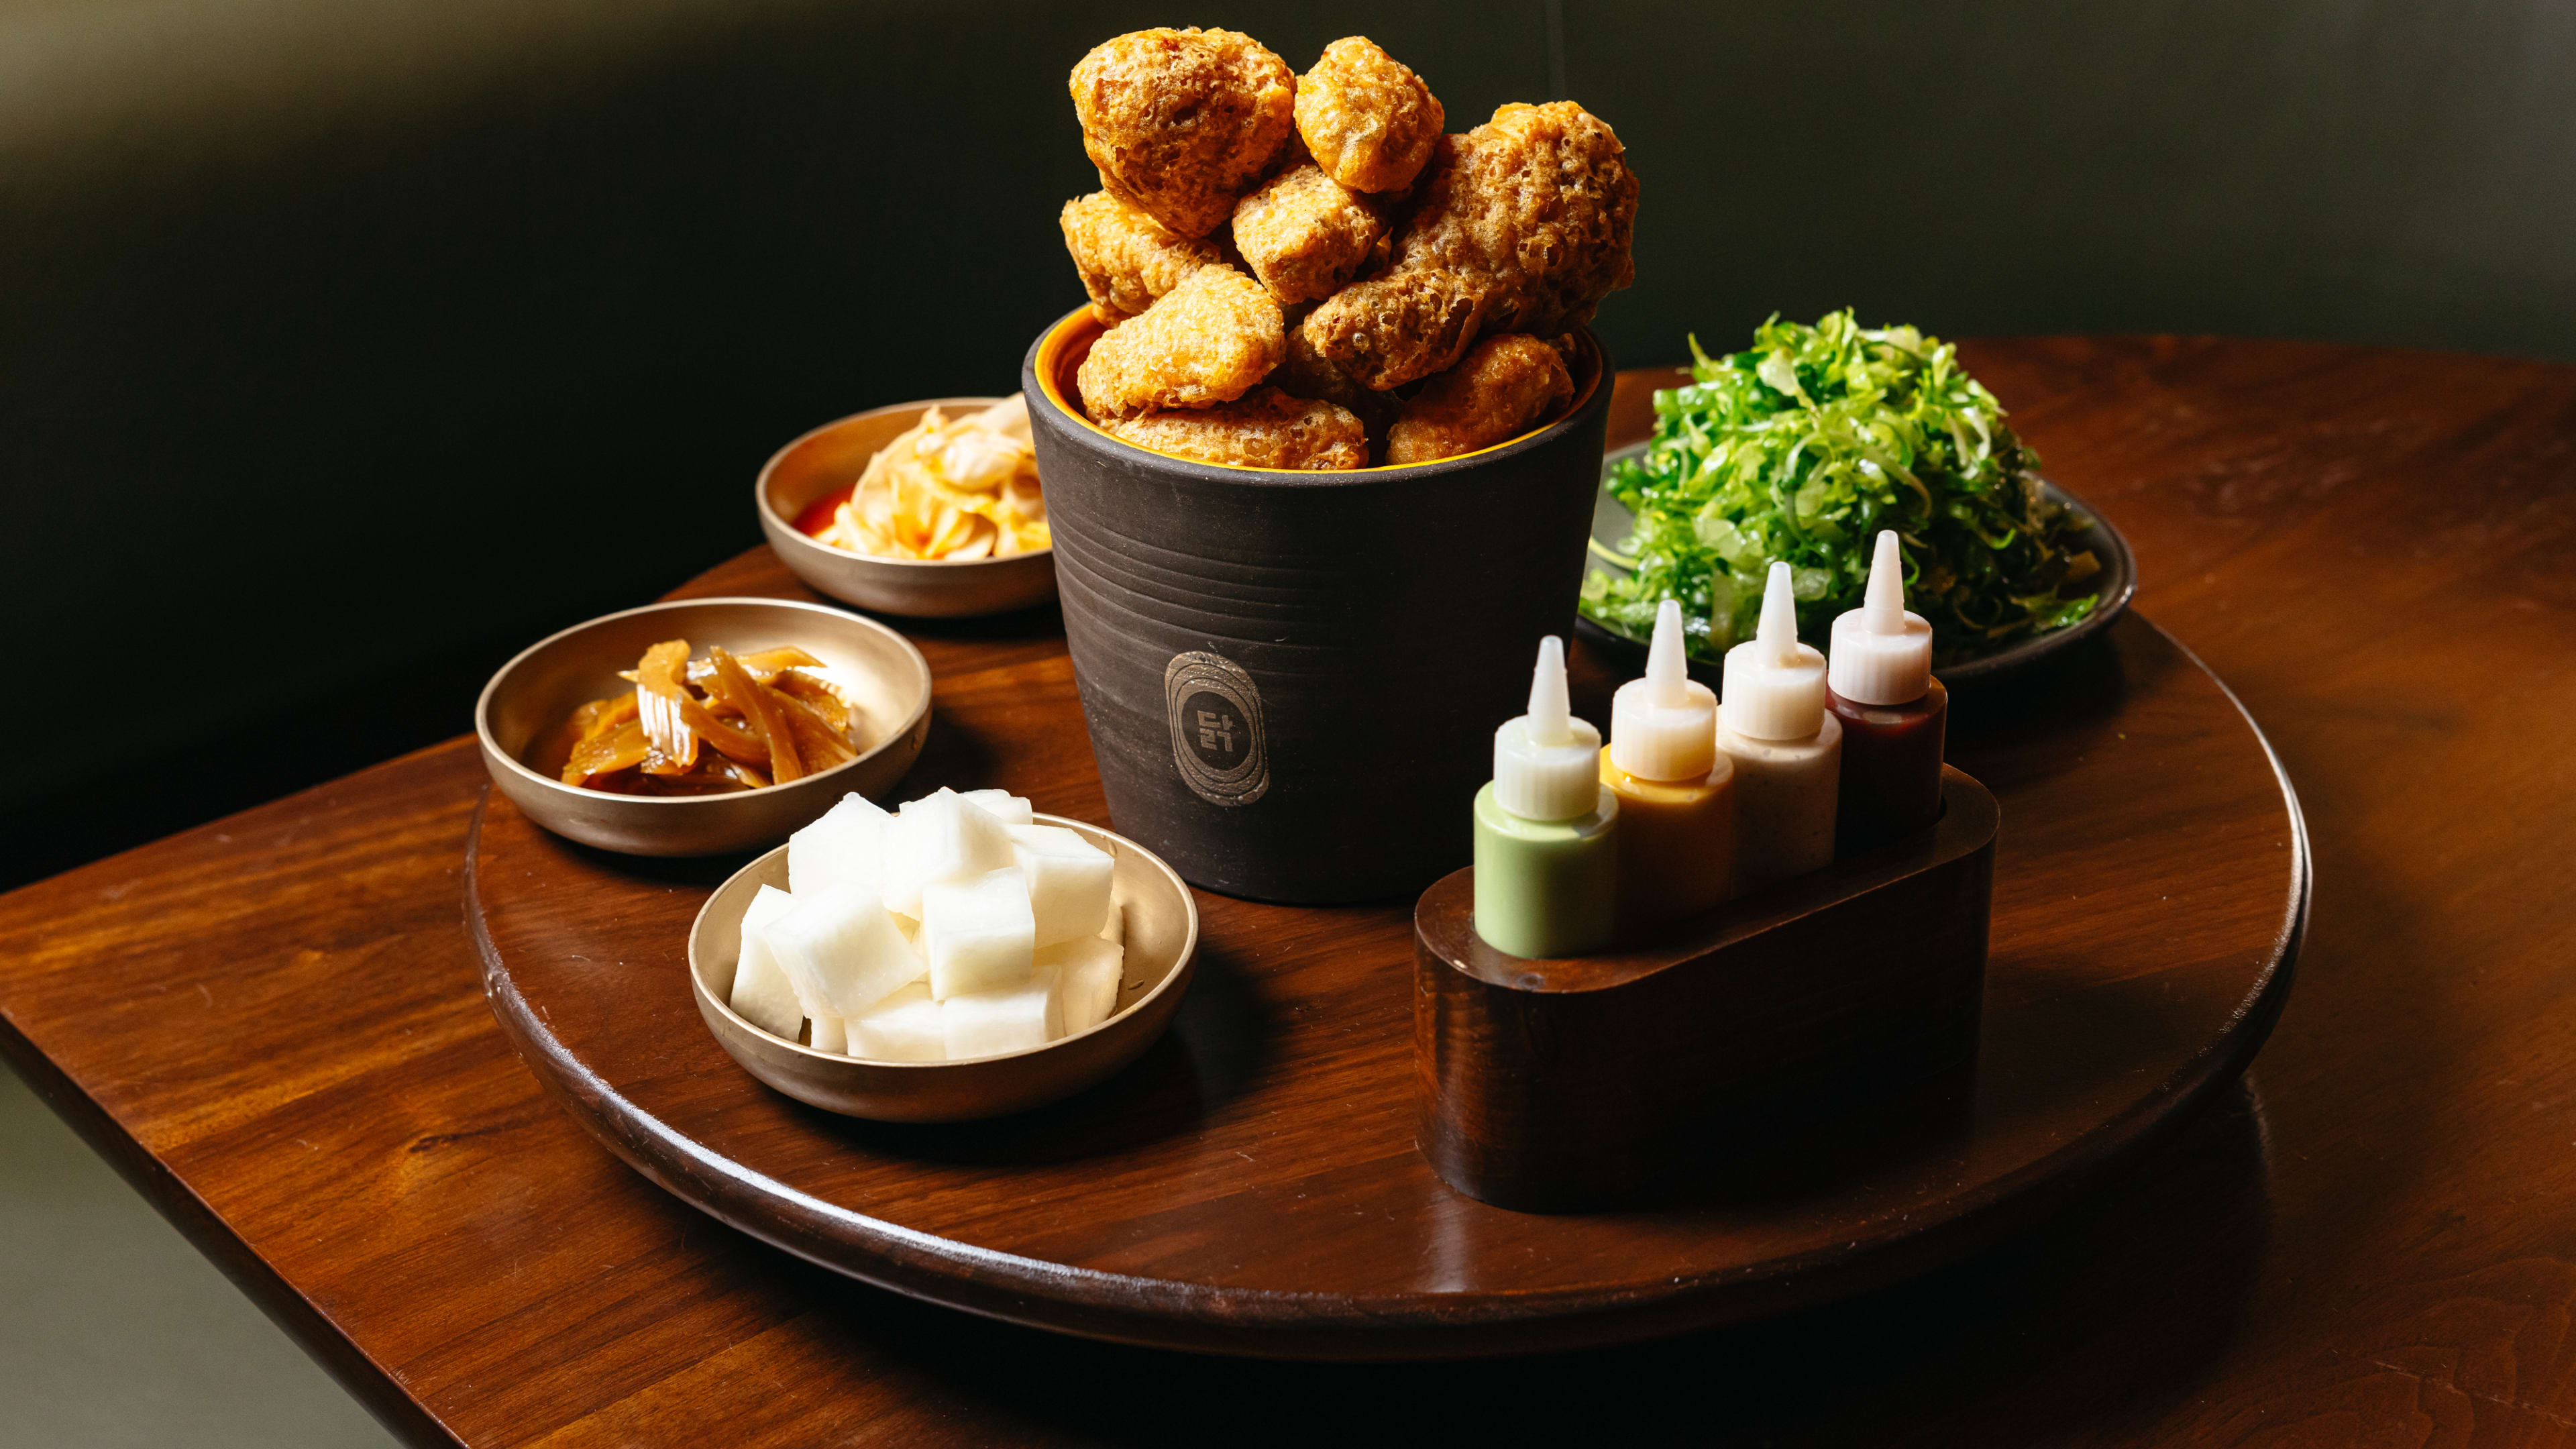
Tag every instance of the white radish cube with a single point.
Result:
(842, 952)
(840, 849)
(982, 1023)
(762, 994)
(940, 839)
(1068, 881)
(905, 1027)
(899, 864)
(1002, 805)
(1115, 933)
(979, 936)
(1093, 970)
(830, 1035)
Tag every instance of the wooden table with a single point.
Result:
(272, 1025)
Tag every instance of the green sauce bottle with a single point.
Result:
(1547, 861)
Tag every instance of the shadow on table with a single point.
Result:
(2034, 725)
(2106, 1314)
(1219, 1043)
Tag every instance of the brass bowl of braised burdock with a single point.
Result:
(703, 726)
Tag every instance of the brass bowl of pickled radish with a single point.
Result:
(881, 688)
(801, 488)
(1160, 933)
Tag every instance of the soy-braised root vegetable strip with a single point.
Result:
(741, 774)
(658, 696)
(812, 693)
(742, 746)
(748, 699)
(708, 726)
(607, 739)
(819, 744)
(766, 666)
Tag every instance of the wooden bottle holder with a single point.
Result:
(1590, 1082)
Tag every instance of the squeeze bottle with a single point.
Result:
(1786, 747)
(1546, 830)
(1676, 792)
(1879, 684)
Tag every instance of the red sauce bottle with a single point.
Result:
(1894, 714)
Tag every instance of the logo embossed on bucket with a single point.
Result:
(1217, 736)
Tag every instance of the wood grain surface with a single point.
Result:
(274, 1025)
(1250, 1185)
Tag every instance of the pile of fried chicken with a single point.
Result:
(1304, 272)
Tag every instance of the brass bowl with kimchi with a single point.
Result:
(915, 509)
(706, 782)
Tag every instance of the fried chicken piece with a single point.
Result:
(1305, 234)
(1307, 373)
(1524, 226)
(1266, 429)
(1182, 123)
(1369, 121)
(1505, 384)
(1206, 341)
(1127, 259)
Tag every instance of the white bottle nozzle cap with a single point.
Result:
(1664, 726)
(1551, 715)
(1881, 653)
(1547, 763)
(1775, 686)
(1667, 676)
(1885, 596)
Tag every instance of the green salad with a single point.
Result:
(1801, 449)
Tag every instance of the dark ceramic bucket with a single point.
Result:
(1293, 679)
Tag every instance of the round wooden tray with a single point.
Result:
(1250, 1185)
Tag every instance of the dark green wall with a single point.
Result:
(347, 345)
(2369, 172)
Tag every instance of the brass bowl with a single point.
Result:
(559, 674)
(833, 456)
(1162, 948)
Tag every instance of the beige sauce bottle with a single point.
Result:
(1787, 749)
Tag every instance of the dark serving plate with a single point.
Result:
(1611, 524)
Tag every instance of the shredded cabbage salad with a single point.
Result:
(1802, 448)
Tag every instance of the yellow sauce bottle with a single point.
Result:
(1676, 792)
